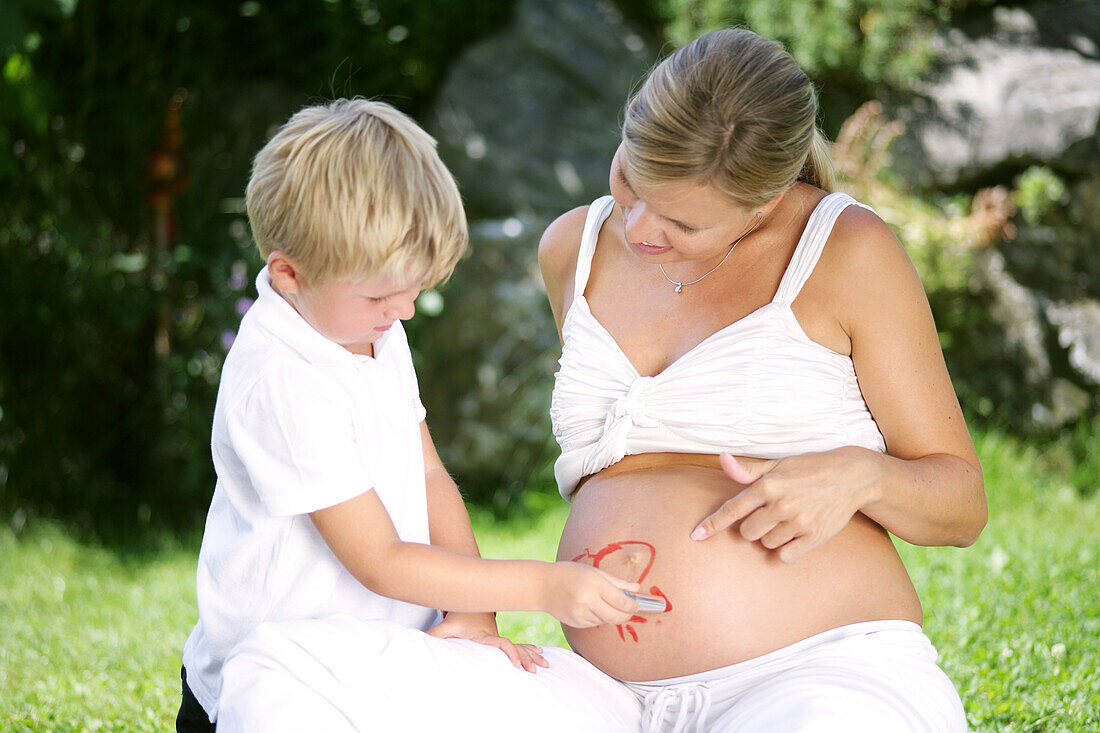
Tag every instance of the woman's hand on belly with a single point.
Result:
(795, 504)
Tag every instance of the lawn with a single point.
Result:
(91, 637)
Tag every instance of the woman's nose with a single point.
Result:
(639, 226)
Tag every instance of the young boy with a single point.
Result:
(331, 500)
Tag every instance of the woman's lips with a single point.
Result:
(650, 249)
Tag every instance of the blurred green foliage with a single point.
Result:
(850, 48)
(1038, 191)
(113, 334)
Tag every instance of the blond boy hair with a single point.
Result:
(355, 189)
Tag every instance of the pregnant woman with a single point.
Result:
(751, 400)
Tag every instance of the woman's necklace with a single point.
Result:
(680, 285)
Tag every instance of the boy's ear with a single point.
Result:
(285, 272)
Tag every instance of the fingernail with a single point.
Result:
(698, 533)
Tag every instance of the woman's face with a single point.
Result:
(676, 222)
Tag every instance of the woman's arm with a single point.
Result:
(929, 489)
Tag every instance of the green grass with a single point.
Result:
(91, 639)
(1016, 617)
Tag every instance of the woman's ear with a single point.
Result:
(766, 210)
(285, 273)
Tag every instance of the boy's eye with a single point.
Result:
(372, 299)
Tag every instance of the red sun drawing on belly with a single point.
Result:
(636, 555)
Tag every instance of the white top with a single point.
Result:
(300, 424)
(759, 387)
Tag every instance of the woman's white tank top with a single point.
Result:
(759, 387)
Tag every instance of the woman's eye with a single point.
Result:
(622, 193)
(685, 228)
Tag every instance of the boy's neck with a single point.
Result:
(369, 350)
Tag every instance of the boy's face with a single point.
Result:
(352, 313)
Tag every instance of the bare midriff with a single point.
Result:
(730, 599)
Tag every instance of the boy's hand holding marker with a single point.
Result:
(581, 596)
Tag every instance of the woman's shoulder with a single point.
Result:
(558, 251)
(560, 243)
(865, 271)
(862, 244)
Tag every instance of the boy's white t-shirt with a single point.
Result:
(300, 424)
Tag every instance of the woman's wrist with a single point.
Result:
(871, 468)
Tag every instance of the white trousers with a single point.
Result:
(342, 674)
(874, 677)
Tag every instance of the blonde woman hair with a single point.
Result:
(730, 109)
(354, 189)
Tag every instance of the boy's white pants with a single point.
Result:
(343, 674)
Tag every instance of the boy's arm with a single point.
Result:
(448, 520)
(449, 527)
(301, 454)
(363, 537)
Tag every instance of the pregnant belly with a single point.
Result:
(730, 599)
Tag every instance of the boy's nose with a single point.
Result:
(403, 307)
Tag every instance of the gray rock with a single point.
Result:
(495, 349)
(1055, 263)
(1078, 330)
(1058, 343)
(1013, 88)
(1056, 259)
(1004, 98)
(528, 119)
(1019, 313)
